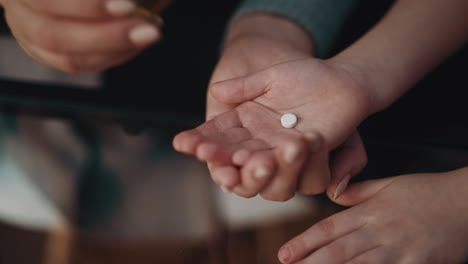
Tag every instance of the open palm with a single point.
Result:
(327, 100)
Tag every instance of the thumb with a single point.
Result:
(363, 191)
(346, 162)
(240, 90)
(215, 107)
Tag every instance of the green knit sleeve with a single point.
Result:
(322, 19)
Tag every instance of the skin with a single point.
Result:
(410, 229)
(363, 79)
(74, 35)
(251, 136)
(412, 39)
(424, 221)
(250, 47)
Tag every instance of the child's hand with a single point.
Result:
(329, 103)
(79, 35)
(420, 218)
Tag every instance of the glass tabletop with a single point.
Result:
(90, 179)
(82, 188)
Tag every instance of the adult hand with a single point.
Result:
(80, 35)
(419, 218)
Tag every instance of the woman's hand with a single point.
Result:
(420, 218)
(80, 35)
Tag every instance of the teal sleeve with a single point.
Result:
(322, 19)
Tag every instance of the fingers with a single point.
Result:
(347, 161)
(315, 175)
(280, 170)
(82, 9)
(214, 140)
(70, 36)
(208, 148)
(320, 235)
(363, 191)
(256, 174)
(76, 64)
(215, 108)
(254, 177)
(343, 249)
(220, 146)
(374, 255)
(188, 141)
(79, 36)
(272, 172)
(225, 175)
(241, 89)
(246, 181)
(290, 158)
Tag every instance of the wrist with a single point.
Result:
(362, 76)
(270, 30)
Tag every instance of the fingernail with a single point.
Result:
(262, 173)
(120, 7)
(144, 35)
(225, 189)
(341, 186)
(284, 254)
(291, 152)
(314, 141)
(176, 146)
(240, 157)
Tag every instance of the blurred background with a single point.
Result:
(88, 175)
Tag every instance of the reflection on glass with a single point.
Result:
(103, 195)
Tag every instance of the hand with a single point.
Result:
(79, 35)
(250, 47)
(251, 136)
(419, 218)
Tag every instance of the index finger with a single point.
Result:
(320, 234)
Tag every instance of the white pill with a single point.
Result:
(288, 120)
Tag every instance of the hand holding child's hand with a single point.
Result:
(419, 218)
(79, 35)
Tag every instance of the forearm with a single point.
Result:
(410, 41)
(320, 19)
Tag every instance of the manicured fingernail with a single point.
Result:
(314, 141)
(144, 34)
(284, 254)
(225, 189)
(291, 152)
(120, 7)
(341, 186)
(261, 173)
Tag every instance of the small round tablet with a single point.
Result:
(289, 120)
